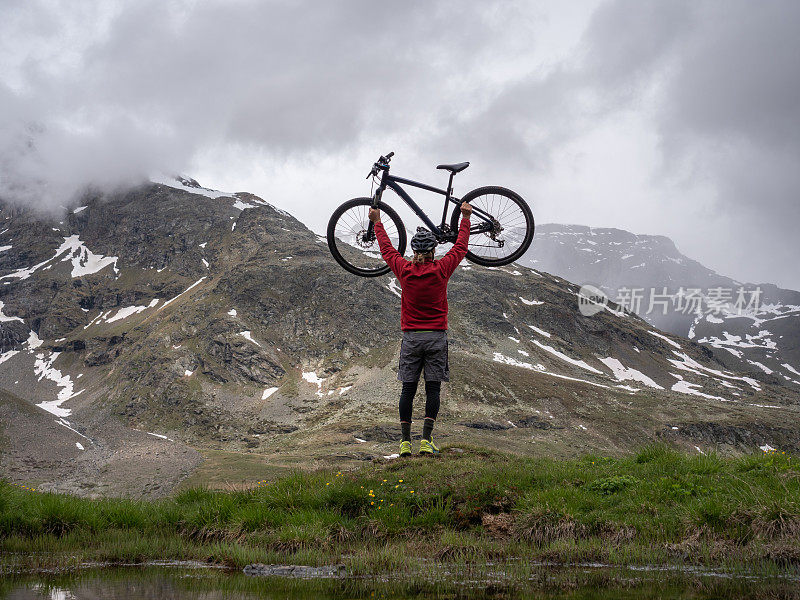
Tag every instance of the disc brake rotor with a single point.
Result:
(363, 241)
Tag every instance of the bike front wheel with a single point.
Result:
(352, 246)
(512, 226)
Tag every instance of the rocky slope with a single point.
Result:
(169, 330)
(754, 324)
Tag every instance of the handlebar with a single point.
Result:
(382, 164)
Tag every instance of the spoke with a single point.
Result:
(347, 231)
(500, 205)
(505, 210)
(508, 206)
(352, 220)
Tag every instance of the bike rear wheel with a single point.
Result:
(348, 241)
(513, 226)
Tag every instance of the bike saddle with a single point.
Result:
(454, 168)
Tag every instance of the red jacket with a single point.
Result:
(423, 304)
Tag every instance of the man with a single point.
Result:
(423, 319)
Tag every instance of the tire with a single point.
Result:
(505, 198)
(352, 215)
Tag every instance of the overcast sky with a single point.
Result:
(665, 117)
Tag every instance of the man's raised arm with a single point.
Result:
(390, 255)
(456, 254)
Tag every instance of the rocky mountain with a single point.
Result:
(169, 332)
(758, 324)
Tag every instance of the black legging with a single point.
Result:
(432, 391)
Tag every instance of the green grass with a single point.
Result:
(227, 470)
(657, 506)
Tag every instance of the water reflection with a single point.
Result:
(152, 583)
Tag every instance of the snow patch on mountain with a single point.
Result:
(394, 287)
(6, 355)
(268, 392)
(4, 317)
(312, 378)
(623, 373)
(689, 364)
(790, 368)
(736, 341)
(33, 341)
(67, 425)
(170, 301)
(187, 184)
(539, 368)
(26, 272)
(672, 343)
(239, 205)
(687, 387)
(249, 337)
(84, 261)
(540, 331)
(124, 313)
(43, 369)
(767, 312)
(764, 368)
(565, 358)
(97, 319)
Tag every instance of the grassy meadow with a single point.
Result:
(464, 508)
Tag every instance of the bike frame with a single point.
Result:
(442, 233)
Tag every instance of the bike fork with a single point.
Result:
(376, 200)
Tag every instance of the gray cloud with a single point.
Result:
(730, 113)
(160, 81)
(720, 85)
(539, 96)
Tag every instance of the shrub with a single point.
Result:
(611, 485)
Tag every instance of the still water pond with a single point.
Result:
(183, 583)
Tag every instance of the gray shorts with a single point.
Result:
(424, 349)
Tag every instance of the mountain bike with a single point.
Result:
(501, 227)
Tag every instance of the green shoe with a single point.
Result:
(426, 447)
(405, 448)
